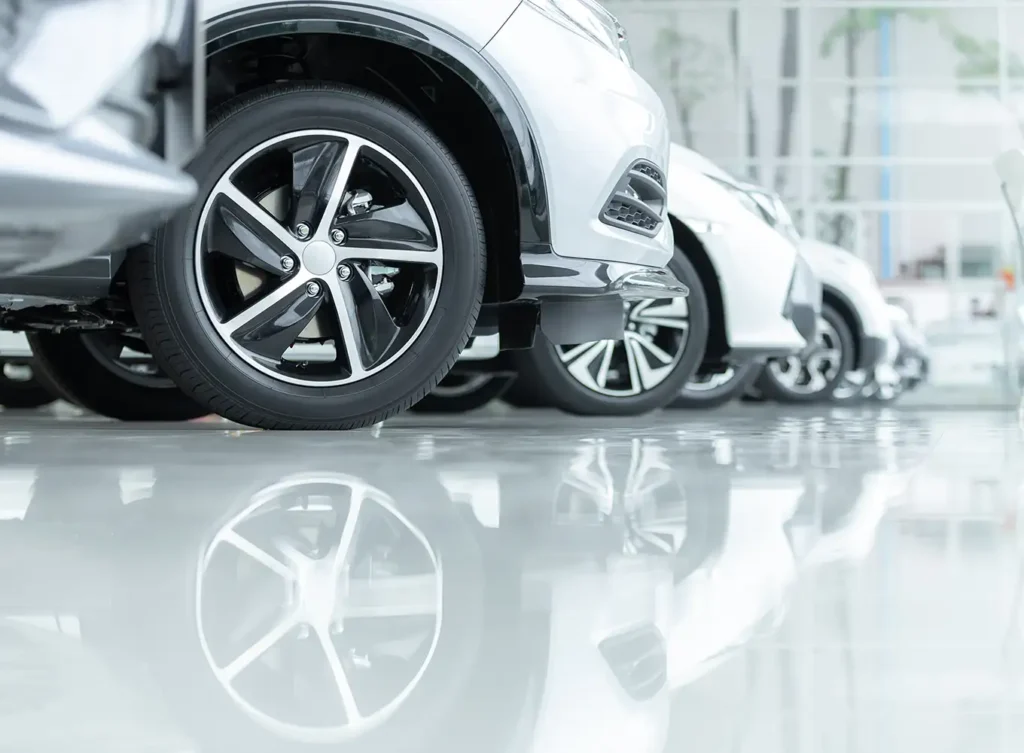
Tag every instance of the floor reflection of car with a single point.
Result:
(316, 597)
(323, 608)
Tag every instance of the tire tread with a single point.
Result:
(154, 318)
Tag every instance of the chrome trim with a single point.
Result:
(648, 283)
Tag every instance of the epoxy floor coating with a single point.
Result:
(753, 580)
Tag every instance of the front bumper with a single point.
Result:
(91, 149)
(600, 130)
(803, 305)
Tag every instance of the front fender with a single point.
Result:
(232, 22)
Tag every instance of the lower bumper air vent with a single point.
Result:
(639, 661)
(638, 202)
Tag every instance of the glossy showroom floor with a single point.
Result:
(748, 581)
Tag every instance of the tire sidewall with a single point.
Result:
(773, 389)
(65, 367)
(488, 392)
(544, 374)
(721, 395)
(273, 115)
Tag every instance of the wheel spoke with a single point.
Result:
(313, 177)
(259, 648)
(399, 227)
(672, 313)
(271, 326)
(815, 381)
(339, 185)
(341, 682)
(365, 325)
(632, 358)
(394, 255)
(340, 554)
(648, 377)
(246, 232)
(581, 358)
(654, 350)
(606, 363)
(245, 546)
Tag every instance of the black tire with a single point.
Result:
(165, 293)
(70, 370)
(773, 389)
(542, 373)
(447, 399)
(22, 393)
(520, 395)
(722, 394)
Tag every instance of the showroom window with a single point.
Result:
(869, 118)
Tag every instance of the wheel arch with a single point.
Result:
(689, 244)
(515, 204)
(838, 300)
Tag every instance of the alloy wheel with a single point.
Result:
(655, 339)
(319, 608)
(709, 382)
(812, 371)
(319, 258)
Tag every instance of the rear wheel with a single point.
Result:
(520, 395)
(814, 375)
(707, 391)
(19, 388)
(461, 393)
(110, 374)
(330, 273)
(663, 345)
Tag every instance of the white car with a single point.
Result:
(380, 179)
(752, 297)
(855, 333)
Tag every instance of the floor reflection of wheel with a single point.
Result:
(331, 271)
(813, 375)
(460, 393)
(323, 613)
(110, 374)
(712, 390)
(663, 345)
(19, 389)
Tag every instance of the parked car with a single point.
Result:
(379, 179)
(751, 297)
(853, 333)
(92, 146)
(905, 367)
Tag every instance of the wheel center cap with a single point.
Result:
(318, 258)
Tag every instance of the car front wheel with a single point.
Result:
(706, 391)
(663, 346)
(331, 271)
(815, 374)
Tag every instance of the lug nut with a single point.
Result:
(302, 230)
(338, 236)
(344, 272)
(313, 289)
(287, 263)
